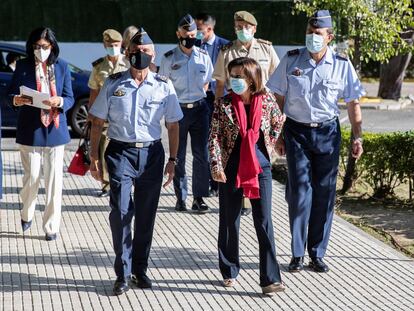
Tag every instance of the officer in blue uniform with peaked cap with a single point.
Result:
(308, 84)
(134, 102)
(190, 70)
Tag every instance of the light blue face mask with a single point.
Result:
(113, 50)
(238, 85)
(314, 43)
(244, 35)
(200, 35)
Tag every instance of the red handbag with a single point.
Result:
(81, 161)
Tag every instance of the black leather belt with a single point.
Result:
(137, 144)
(312, 124)
(191, 105)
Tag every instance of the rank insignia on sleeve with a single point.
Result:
(120, 92)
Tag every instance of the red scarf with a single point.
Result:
(249, 167)
(47, 116)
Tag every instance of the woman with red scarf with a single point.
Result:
(245, 126)
(42, 132)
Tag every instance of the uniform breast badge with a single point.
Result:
(120, 92)
(297, 72)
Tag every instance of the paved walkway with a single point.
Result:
(75, 272)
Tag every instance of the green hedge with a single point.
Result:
(387, 161)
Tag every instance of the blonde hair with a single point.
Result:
(129, 32)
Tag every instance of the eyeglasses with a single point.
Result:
(43, 47)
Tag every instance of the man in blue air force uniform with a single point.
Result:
(308, 84)
(134, 102)
(190, 71)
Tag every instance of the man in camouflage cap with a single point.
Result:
(245, 45)
(103, 67)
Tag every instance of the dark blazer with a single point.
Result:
(217, 44)
(30, 130)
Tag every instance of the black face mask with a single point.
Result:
(140, 60)
(187, 42)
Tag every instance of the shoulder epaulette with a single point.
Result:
(115, 75)
(293, 52)
(98, 61)
(169, 53)
(161, 78)
(341, 56)
(264, 41)
(226, 46)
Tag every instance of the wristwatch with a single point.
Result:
(172, 159)
(360, 139)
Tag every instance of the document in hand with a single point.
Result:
(36, 97)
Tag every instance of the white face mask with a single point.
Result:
(42, 55)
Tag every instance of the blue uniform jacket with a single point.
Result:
(30, 130)
(217, 44)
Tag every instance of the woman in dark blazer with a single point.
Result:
(42, 133)
(245, 126)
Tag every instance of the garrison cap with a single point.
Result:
(141, 37)
(111, 35)
(321, 19)
(245, 16)
(187, 23)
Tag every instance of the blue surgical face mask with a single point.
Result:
(113, 50)
(314, 43)
(244, 35)
(238, 85)
(199, 35)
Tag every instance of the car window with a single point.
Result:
(74, 69)
(6, 56)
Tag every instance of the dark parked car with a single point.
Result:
(76, 116)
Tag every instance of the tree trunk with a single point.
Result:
(392, 74)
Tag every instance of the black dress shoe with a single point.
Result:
(180, 206)
(296, 264)
(245, 211)
(317, 265)
(120, 286)
(103, 194)
(200, 206)
(141, 281)
(26, 225)
(50, 236)
(213, 193)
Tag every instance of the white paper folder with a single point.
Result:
(36, 96)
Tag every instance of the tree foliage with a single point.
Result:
(375, 27)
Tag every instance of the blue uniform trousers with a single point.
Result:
(312, 156)
(195, 122)
(143, 168)
(230, 202)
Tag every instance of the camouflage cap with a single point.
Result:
(111, 35)
(246, 17)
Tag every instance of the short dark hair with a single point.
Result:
(206, 18)
(11, 57)
(251, 69)
(48, 35)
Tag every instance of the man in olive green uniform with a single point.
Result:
(246, 45)
(103, 67)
